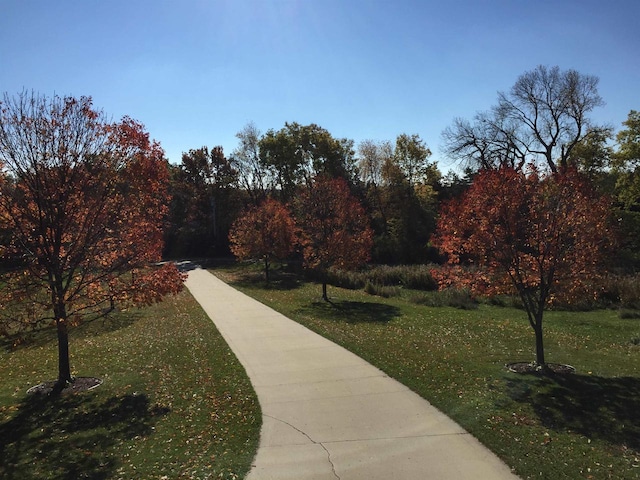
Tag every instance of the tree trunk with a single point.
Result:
(539, 342)
(64, 367)
(324, 291)
(266, 269)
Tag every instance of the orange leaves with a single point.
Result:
(335, 228)
(528, 232)
(85, 201)
(267, 231)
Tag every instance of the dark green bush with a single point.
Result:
(624, 290)
(418, 277)
(415, 277)
(385, 275)
(509, 301)
(381, 290)
(346, 279)
(450, 297)
(630, 314)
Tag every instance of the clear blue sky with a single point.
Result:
(195, 72)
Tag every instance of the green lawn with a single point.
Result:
(585, 425)
(175, 402)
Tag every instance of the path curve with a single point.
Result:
(328, 414)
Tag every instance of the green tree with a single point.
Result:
(296, 153)
(626, 168)
(592, 154)
(411, 155)
(205, 203)
(401, 192)
(626, 162)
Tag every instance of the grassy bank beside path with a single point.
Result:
(175, 402)
(583, 425)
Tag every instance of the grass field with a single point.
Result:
(583, 425)
(175, 402)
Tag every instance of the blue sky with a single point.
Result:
(195, 72)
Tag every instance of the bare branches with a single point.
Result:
(542, 117)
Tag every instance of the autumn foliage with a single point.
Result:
(334, 227)
(82, 204)
(542, 237)
(267, 232)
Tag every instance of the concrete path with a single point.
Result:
(328, 414)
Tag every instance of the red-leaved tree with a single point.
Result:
(334, 227)
(82, 203)
(542, 237)
(267, 232)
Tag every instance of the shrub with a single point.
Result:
(346, 279)
(418, 277)
(449, 297)
(510, 301)
(625, 289)
(381, 290)
(386, 275)
(630, 314)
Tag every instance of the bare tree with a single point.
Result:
(253, 177)
(371, 158)
(543, 117)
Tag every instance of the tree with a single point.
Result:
(334, 227)
(542, 117)
(592, 154)
(412, 155)
(297, 153)
(252, 175)
(267, 232)
(82, 202)
(372, 157)
(626, 162)
(204, 195)
(489, 142)
(401, 196)
(541, 236)
(626, 168)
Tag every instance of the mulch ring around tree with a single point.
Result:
(79, 384)
(532, 367)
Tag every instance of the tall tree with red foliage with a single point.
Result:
(82, 203)
(267, 232)
(334, 227)
(543, 237)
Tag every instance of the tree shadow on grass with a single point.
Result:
(109, 323)
(69, 436)
(44, 335)
(596, 407)
(353, 312)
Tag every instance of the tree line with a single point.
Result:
(543, 120)
(396, 184)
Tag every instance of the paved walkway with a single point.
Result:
(328, 414)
